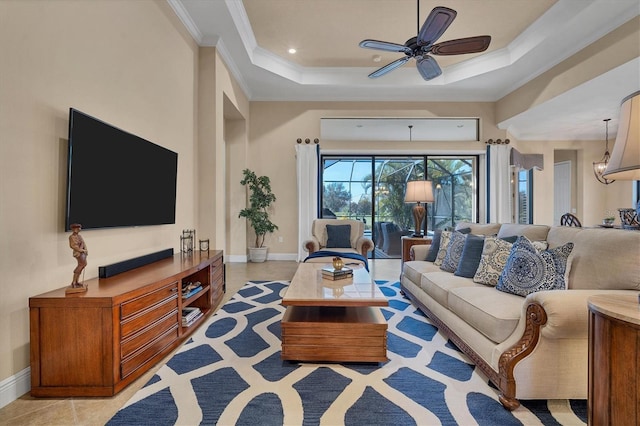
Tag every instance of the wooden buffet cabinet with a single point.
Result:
(614, 360)
(97, 342)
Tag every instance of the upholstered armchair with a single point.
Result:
(392, 238)
(346, 236)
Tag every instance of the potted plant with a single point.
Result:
(260, 199)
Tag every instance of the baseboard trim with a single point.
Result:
(15, 386)
(282, 256)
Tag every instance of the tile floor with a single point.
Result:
(97, 411)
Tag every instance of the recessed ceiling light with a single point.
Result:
(377, 58)
(292, 50)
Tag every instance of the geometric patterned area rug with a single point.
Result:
(230, 373)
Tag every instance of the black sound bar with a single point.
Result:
(136, 262)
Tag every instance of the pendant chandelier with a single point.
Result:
(601, 166)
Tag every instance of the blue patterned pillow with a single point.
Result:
(454, 252)
(529, 270)
(445, 238)
(495, 254)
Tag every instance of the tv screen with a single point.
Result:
(116, 179)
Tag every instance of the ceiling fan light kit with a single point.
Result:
(423, 46)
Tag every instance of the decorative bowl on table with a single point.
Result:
(338, 263)
(607, 222)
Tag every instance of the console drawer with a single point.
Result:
(136, 305)
(139, 358)
(142, 338)
(136, 323)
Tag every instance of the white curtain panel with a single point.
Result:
(500, 183)
(307, 174)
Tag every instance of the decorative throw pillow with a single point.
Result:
(540, 245)
(338, 236)
(442, 250)
(471, 254)
(435, 246)
(495, 253)
(510, 239)
(454, 252)
(529, 270)
(464, 230)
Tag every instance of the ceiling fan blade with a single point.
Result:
(428, 67)
(389, 67)
(385, 45)
(462, 46)
(435, 25)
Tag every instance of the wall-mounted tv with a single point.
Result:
(117, 179)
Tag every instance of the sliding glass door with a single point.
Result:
(455, 190)
(372, 188)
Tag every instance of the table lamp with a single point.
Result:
(419, 191)
(625, 159)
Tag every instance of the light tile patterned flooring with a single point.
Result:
(97, 411)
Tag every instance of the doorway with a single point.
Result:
(561, 190)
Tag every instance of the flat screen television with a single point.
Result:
(117, 179)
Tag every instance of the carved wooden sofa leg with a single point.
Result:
(536, 318)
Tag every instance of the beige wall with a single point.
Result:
(139, 75)
(275, 126)
(593, 199)
(221, 103)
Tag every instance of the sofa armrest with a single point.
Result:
(546, 315)
(364, 245)
(419, 252)
(567, 311)
(312, 245)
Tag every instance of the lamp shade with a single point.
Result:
(419, 191)
(625, 159)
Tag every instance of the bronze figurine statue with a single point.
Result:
(80, 252)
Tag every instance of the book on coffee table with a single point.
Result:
(331, 273)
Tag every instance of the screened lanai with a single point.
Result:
(372, 189)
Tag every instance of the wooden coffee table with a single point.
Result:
(337, 321)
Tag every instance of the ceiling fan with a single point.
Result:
(424, 45)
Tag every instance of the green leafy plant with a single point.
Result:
(260, 199)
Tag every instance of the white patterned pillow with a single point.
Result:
(445, 238)
(494, 257)
(454, 252)
(529, 270)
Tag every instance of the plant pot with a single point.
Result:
(257, 254)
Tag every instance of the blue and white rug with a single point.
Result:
(230, 373)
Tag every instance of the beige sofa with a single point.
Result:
(533, 347)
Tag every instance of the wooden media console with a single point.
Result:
(97, 342)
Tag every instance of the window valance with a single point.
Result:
(526, 161)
